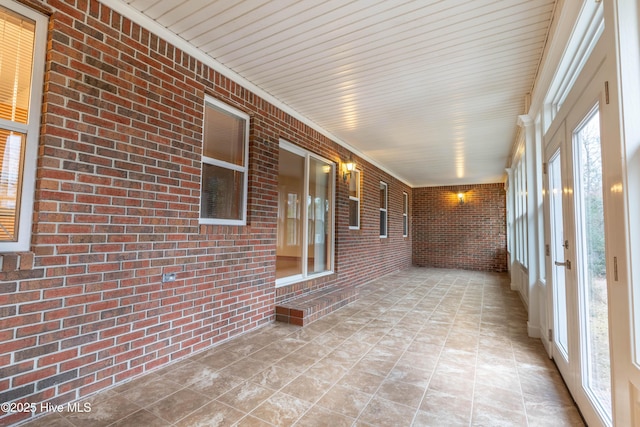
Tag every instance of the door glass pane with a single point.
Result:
(290, 199)
(557, 254)
(319, 216)
(592, 273)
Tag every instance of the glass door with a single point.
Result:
(592, 275)
(562, 289)
(577, 262)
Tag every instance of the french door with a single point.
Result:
(577, 259)
(558, 251)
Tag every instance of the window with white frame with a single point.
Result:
(520, 240)
(542, 272)
(405, 214)
(305, 237)
(383, 209)
(354, 200)
(225, 147)
(23, 34)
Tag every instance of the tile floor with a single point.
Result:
(421, 347)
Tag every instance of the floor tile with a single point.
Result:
(274, 377)
(245, 368)
(345, 400)
(214, 384)
(214, 414)
(103, 413)
(140, 418)
(52, 420)
(542, 415)
(177, 405)
(382, 412)
(445, 408)
(246, 396)
(281, 409)
(492, 416)
(150, 392)
(407, 374)
(250, 421)
(401, 392)
(421, 347)
(307, 388)
(327, 370)
(365, 382)
(318, 416)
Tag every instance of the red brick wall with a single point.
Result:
(471, 236)
(117, 205)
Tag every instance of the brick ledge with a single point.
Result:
(308, 308)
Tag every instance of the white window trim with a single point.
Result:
(405, 214)
(355, 174)
(385, 209)
(584, 36)
(31, 129)
(289, 280)
(215, 162)
(520, 216)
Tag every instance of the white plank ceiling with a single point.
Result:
(428, 89)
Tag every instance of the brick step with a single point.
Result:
(307, 308)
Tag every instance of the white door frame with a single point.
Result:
(589, 89)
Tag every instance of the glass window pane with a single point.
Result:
(16, 57)
(222, 193)
(290, 198)
(354, 208)
(224, 136)
(383, 209)
(11, 158)
(405, 214)
(354, 199)
(354, 184)
(318, 217)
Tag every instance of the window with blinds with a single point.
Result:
(16, 60)
(18, 131)
(223, 199)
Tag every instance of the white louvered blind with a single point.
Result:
(16, 58)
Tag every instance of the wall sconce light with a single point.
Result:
(461, 198)
(347, 168)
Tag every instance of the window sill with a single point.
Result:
(16, 261)
(287, 281)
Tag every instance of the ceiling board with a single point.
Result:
(428, 89)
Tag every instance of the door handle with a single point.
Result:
(566, 264)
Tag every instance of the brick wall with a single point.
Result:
(117, 205)
(471, 236)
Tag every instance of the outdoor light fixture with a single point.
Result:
(347, 168)
(461, 198)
